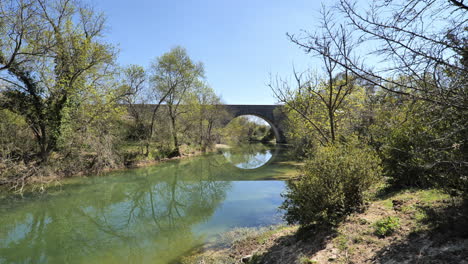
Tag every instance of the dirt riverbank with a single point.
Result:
(431, 229)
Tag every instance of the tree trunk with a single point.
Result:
(176, 151)
(332, 125)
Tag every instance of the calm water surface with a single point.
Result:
(148, 215)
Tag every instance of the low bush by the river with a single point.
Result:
(332, 185)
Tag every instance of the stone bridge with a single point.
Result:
(272, 114)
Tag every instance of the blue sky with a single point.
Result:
(239, 42)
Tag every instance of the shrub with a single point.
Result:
(423, 145)
(333, 184)
(405, 156)
(386, 226)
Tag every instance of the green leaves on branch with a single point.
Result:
(56, 70)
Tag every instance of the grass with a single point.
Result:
(306, 260)
(422, 196)
(264, 236)
(386, 226)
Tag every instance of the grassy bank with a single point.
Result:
(410, 226)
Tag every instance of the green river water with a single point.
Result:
(148, 215)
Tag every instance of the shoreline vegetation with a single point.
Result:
(380, 124)
(89, 115)
(430, 228)
(41, 183)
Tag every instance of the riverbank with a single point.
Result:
(154, 214)
(37, 178)
(428, 227)
(34, 178)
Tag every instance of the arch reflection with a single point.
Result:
(250, 156)
(148, 215)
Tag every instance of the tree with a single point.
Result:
(318, 100)
(414, 49)
(135, 97)
(174, 75)
(204, 114)
(424, 41)
(50, 53)
(326, 107)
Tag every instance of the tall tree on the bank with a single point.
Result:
(174, 74)
(135, 96)
(415, 50)
(50, 52)
(322, 101)
(204, 115)
(424, 41)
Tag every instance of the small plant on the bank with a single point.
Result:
(333, 184)
(306, 260)
(386, 226)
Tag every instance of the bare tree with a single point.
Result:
(413, 48)
(313, 93)
(416, 50)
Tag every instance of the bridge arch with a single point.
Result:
(272, 114)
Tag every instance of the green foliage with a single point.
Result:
(419, 124)
(421, 144)
(247, 128)
(386, 226)
(16, 142)
(321, 111)
(202, 117)
(333, 184)
(62, 61)
(174, 76)
(403, 148)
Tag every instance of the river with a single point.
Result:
(148, 215)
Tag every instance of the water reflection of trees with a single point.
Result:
(147, 218)
(142, 216)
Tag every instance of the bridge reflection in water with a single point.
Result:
(148, 215)
(251, 156)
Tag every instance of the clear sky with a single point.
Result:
(239, 42)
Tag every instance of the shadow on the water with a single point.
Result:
(147, 215)
(112, 222)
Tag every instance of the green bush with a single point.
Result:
(405, 156)
(333, 184)
(422, 145)
(386, 226)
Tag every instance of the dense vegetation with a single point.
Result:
(67, 108)
(407, 113)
